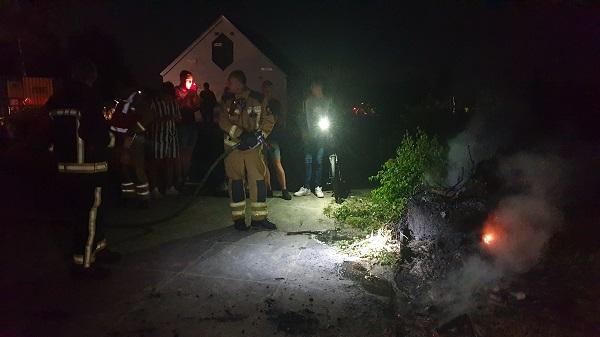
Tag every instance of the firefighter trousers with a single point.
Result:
(247, 167)
(134, 181)
(82, 195)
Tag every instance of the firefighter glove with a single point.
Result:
(248, 140)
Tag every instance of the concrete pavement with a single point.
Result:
(197, 276)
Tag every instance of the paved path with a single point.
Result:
(207, 214)
(190, 277)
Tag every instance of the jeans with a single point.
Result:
(308, 160)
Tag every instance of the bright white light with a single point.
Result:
(324, 124)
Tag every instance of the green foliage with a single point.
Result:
(419, 160)
(355, 212)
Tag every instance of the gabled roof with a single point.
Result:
(203, 36)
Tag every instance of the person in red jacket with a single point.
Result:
(189, 102)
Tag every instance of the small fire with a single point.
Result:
(488, 238)
(493, 233)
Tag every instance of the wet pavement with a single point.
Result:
(197, 276)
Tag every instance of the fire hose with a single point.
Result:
(185, 205)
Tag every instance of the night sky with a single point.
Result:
(363, 49)
(362, 37)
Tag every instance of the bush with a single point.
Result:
(355, 212)
(419, 160)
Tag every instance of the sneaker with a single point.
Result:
(92, 273)
(124, 202)
(266, 224)
(172, 191)
(303, 191)
(270, 194)
(286, 195)
(240, 225)
(319, 192)
(108, 256)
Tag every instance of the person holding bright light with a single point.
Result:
(189, 102)
(315, 122)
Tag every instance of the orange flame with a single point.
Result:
(488, 238)
(493, 232)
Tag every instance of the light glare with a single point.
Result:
(324, 124)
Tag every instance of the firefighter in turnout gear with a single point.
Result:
(80, 140)
(246, 123)
(128, 124)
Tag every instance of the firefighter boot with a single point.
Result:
(240, 225)
(143, 204)
(91, 273)
(286, 195)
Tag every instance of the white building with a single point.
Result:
(221, 49)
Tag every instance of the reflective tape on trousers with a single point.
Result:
(237, 204)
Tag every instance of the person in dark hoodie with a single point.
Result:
(80, 139)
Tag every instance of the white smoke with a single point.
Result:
(495, 123)
(528, 218)
(478, 142)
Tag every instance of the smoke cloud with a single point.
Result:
(499, 122)
(479, 141)
(522, 224)
(529, 218)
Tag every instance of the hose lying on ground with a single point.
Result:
(185, 205)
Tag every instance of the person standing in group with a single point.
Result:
(210, 137)
(208, 101)
(129, 124)
(80, 139)
(226, 95)
(317, 109)
(165, 140)
(189, 103)
(273, 151)
(246, 123)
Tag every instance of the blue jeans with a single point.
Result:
(308, 160)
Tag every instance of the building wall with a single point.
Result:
(26, 91)
(246, 57)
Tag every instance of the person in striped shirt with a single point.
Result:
(165, 141)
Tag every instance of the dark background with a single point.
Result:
(407, 59)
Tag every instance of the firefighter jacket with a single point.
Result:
(79, 133)
(245, 113)
(129, 117)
